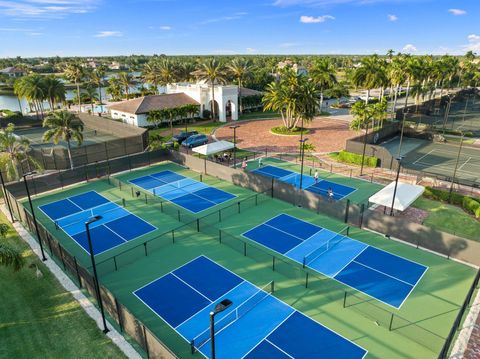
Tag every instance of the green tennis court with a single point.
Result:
(418, 329)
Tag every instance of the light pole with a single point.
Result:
(399, 159)
(95, 277)
(399, 152)
(234, 128)
(302, 156)
(456, 167)
(7, 200)
(220, 307)
(33, 213)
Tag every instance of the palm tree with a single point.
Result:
(151, 74)
(370, 74)
(396, 75)
(114, 88)
(54, 91)
(15, 151)
(9, 256)
(74, 72)
(125, 80)
(96, 78)
(364, 114)
(323, 73)
(213, 73)
(166, 73)
(90, 94)
(63, 125)
(240, 69)
(32, 88)
(184, 70)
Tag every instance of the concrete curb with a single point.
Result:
(77, 294)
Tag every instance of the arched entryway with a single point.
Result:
(217, 109)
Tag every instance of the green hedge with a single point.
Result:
(356, 159)
(469, 204)
(282, 130)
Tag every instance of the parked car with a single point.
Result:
(195, 140)
(182, 136)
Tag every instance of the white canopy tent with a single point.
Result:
(405, 196)
(214, 147)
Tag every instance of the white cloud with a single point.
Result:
(109, 34)
(251, 50)
(45, 9)
(457, 12)
(234, 16)
(315, 20)
(392, 17)
(473, 43)
(409, 48)
(165, 28)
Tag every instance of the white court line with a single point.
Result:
(464, 163)
(425, 155)
(280, 349)
(442, 167)
(181, 280)
(388, 275)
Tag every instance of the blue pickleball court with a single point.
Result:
(321, 187)
(185, 192)
(377, 273)
(256, 325)
(116, 227)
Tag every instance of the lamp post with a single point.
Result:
(302, 156)
(33, 212)
(95, 276)
(7, 200)
(220, 307)
(399, 152)
(456, 167)
(234, 128)
(399, 159)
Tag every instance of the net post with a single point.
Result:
(220, 236)
(304, 264)
(310, 172)
(256, 199)
(145, 248)
(146, 199)
(272, 286)
(115, 263)
(120, 185)
(198, 224)
(132, 192)
(192, 346)
(273, 263)
(238, 204)
(348, 230)
(57, 227)
(306, 280)
(245, 249)
(178, 214)
(154, 193)
(173, 236)
(161, 206)
(345, 299)
(201, 177)
(391, 323)
(347, 210)
(124, 202)
(219, 215)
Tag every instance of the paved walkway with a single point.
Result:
(327, 134)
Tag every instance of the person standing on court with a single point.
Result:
(330, 194)
(315, 176)
(259, 161)
(244, 164)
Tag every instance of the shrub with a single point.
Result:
(282, 130)
(469, 204)
(477, 213)
(207, 114)
(354, 158)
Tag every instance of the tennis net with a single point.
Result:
(332, 242)
(234, 315)
(108, 209)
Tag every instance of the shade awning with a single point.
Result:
(405, 196)
(214, 147)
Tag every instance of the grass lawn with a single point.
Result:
(201, 127)
(258, 115)
(39, 319)
(448, 218)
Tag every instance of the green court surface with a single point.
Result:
(441, 159)
(417, 330)
(364, 188)
(90, 136)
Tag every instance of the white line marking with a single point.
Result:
(280, 349)
(464, 163)
(419, 159)
(180, 279)
(383, 273)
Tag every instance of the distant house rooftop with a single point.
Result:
(12, 71)
(146, 104)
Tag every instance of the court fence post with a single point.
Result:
(220, 236)
(306, 280)
(198, 224)
(77, 272)
(147, 351)
(178, 213)
(272, 185)
(173, 236)
(362, 211)
(273, 263)
(273, 286)
(345, 300)
(145, 248)
(219, 215)
(119, 315)
(347, 209)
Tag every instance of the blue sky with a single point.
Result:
(123, 27)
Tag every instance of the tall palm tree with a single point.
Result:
(15, 151)
(9, 256)
(241, 70)
(151, 74)
(75, 72)
(63, 125)
(114, 88)
(90, 94)
(184, 70)
(323, 73)
(97, 78)
(32, 88)
(125, 80)
(212, 72)
(166, 72)
(370, 74)
(396, 75)
(54, 91)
